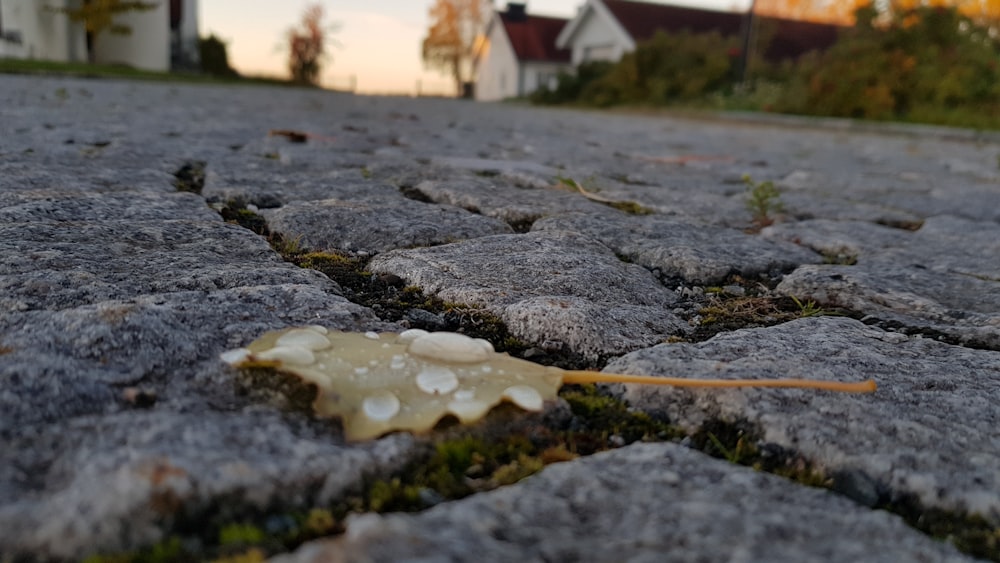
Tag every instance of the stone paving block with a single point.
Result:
(682, 251)
(112, 315)
(907, 437)
(940, 279)
(56, 265)
(79, 205)
(109, 484)
(514, 205)
(377, 224)
(544, 285)
(86, 468)
(644, 502)
(910, 298)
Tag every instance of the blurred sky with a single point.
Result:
(379, 39)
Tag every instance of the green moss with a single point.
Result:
(456, 467)
(190, 177)
(253, 555)
(477, 459)
(840, 258)
(348, 272)
(240, 534)
(970, 533)
(723, 312)
(738, 442)
(601, 418)
(236, 212)
(170, 550)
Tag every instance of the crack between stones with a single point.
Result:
(461, 449)
(739, 442)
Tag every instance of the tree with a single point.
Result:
(307, 46)
(839, 11)
(842, 11)
(98, 16)
(214, 57)
(456, 27)
(931, 64)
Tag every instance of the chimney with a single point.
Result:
(517, 11)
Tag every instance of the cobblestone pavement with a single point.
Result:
(140, 230)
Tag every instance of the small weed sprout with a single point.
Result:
(810, 308)
(762, 200)
(287, 246)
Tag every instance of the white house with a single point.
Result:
(519, 54)
(604, 30)
(31, 29)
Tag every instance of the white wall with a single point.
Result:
(147, 47)
(541, 75)
(45, 34)
(497, 76)
(597, 40)
(185, 40)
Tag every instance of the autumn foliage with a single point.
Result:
(842, 11)
(456, 26)
(306, 45)
(98, 16)
(922, 64)
(931, 64)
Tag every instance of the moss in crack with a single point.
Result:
(190, 177)
(237, 213)
(970, 533)
(739, 442)
(601, 419)
(392, 300)
(840, 258)
(752, 306)
(493, 454)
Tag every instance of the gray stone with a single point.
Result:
(377, 224)
(946, 461)
(644, 502)
(838, 239)
(268, 185)
(678, 250)
(546, 286)
(517, 206)
(939, 279)
(117, 294)
(486, 165)
(55, 265)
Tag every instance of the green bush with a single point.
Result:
(924, 64)
(669, 67)
(569, 86)
(214, 58)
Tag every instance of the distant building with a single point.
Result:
(604, 30)
(162, 38)
(519, 54)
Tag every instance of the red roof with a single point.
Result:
(642, 20)
(534, 37)
(791, 37)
